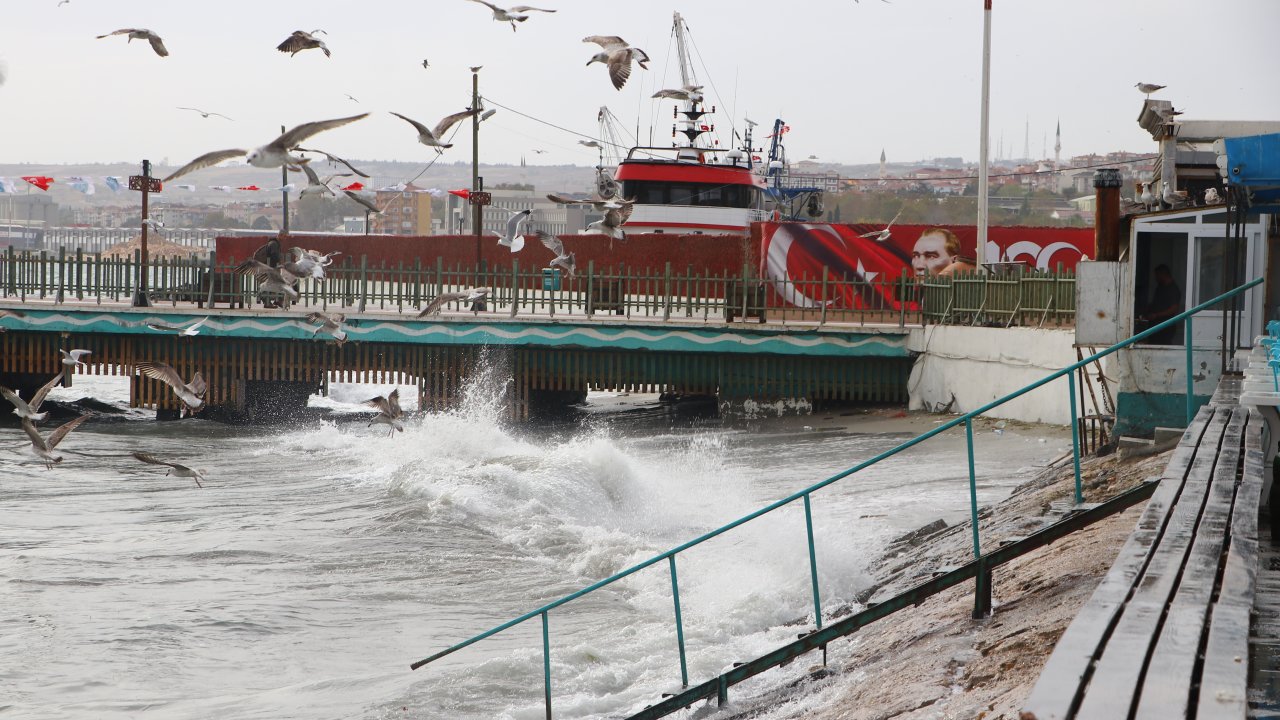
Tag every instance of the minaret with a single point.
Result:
(1057, 146)
(884, 170)
(1026, 140)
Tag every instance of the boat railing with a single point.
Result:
(806, 497)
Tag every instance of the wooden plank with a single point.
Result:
(1118, 671)
(1070, 663)
(1171, 668)
(1224, 684)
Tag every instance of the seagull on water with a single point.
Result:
(175, 469)
(191, 394)
(72, 359)
(617, 55)
(141, 34)
(513, 14)
(204, 113)
(44, 448)
(389, 412)
(475, 296)
(434, 137)
(30, 410)
(514, 239)
(302, 40)
(562, 259)
(273, 154)
(1147, 88)
(882, 235)
(331, 324)
(189, 330)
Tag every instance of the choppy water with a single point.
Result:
(320, 561)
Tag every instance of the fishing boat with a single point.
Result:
(695, 186)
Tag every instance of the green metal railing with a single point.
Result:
(1030, 298)
(634, 293)
(982, 587)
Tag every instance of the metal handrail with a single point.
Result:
(966, 419)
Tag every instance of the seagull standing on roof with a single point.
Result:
(302, 40)
(513, 14)
(1147, 197)
(617, 55)
(434, 137)
(1147, 88)
(272, 155)
(141, 34)
(514, 239)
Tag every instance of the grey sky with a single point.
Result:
(848, 78)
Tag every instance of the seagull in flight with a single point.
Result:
(692, 93)
(189, 330)
(44, 448)
(352, 99)
(1147, 88)
(617, 55)
(269, 279)
(366, 199)
(336, 160)
(599, 204)
(204, 113)
(612, 222)
(475, 296)
(562, 259)
(426, 64)
(175, 469)
(588, 143)
(389, 412)
(513, 14)
(434, 137)
(31, 410)
(273, 154)
(331, 324)
(191, 394)
(882, 235)
(72, 359)
(302, 40)
(141, 34)
(514, 239)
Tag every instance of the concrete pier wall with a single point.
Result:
(975, 365)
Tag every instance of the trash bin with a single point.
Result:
(550, 278)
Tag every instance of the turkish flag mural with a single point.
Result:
(864, 264)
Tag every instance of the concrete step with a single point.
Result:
(1164, 435)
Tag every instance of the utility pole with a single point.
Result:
(477, 183)
(983, 189)
(284, 190)
(147, 185)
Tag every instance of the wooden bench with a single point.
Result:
(1166, 632)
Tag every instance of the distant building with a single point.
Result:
(405, 211)
(547, 216)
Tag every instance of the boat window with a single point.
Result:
(650, 192)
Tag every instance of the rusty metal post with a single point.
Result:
(1106, 224)
(140, 298)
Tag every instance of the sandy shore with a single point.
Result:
(934, 661)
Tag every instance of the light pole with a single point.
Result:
(477, 183)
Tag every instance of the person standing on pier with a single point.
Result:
(269, 254)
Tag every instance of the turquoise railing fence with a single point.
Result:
(805, 496)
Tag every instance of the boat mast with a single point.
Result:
(689, 115)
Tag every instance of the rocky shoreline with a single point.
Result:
(934, 661)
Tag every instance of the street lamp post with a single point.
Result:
(147, 185)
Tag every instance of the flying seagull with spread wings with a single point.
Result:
(562, 259)
(514, 239)
(513, 14)
(434, 137)
(191, 394)
(273, 154)
(389, 412)
(30, 410)
(882, 235)
(175, 469)
(470, 295)
(141, 34)
(302, 40)
(617, 55)
(204, 113)
(43, 448)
